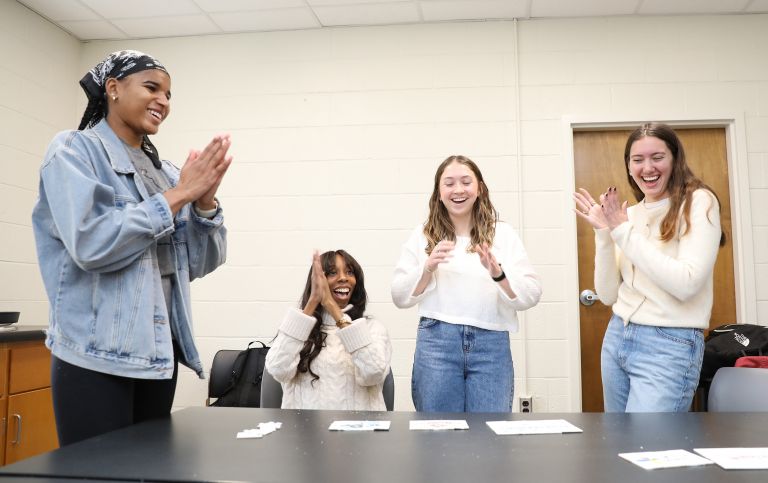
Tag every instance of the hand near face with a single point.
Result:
(589, 209)
(320, 292)
(488, 260)
(442, 253)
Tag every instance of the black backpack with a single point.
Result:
(726, 343)
(236, 376)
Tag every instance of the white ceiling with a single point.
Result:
(130, 19)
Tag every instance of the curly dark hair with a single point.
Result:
(358, 299)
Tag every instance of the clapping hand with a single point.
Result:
(488, 260)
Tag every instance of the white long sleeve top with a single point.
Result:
(461, 290)
(650, 282)
(352, 365)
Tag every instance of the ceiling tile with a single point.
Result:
(373, 14)
(246, 5)
(440, 10)
(266, 20)
(167, 26)
(758, 6)
(582, 8)
(93, 30)
(665, 7)
(61, 10)
(142, 8)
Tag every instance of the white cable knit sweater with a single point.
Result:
(352, 366)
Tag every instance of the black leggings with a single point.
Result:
(88, 403)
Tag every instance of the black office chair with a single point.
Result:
(272, 391)
(221, 372)
(739, 389)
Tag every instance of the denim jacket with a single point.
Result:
(95, 229)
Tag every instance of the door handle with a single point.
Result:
(17, 417)
(587, 297)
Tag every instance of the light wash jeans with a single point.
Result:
(650, 369)
(460, 368)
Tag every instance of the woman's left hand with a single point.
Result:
(488, 260)
(615, 212)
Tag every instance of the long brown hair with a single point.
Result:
(682, 182)
(359, 299)
(484, 216)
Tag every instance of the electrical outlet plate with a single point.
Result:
(526, 404)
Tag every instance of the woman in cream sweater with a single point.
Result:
(654, 263)
(327, 354)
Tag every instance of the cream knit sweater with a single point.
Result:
(352, 365)
(650, 282)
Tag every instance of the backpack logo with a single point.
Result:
(741, 339)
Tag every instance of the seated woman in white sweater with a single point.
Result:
(327, 354)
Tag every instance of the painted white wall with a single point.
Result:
(337, 133)
(38, 64)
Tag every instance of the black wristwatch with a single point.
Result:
(500, 277)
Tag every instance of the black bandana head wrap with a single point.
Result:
(118, 65)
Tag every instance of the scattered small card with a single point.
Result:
(437, 424)
(529, 426)
(260, 431)
(359, 426)
(737, 458)
(673, 458)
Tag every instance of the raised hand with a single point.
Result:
(201, 175)
(319, 291)
(589, 209)
(442, 253)
(614, 211)
(488, 260)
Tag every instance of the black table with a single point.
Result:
(198, 444)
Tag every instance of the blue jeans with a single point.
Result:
(650, 369)
(460, 368)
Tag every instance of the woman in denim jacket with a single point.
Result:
(120, 234)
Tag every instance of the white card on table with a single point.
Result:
(737, 458)
(673, 458)
(437, 424)
(537, 426)
(359, 426)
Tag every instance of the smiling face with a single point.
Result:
(650, 165)
(341, 280)
(458, 191)
(143, 103)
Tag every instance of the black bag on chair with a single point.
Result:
(236, 376)
(726, 343)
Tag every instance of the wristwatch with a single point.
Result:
(343, 321)
(501, 276)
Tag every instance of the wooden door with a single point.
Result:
(599, 163)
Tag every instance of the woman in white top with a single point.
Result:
(452, 267)
(654, 263)
(327, 354)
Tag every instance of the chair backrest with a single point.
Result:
(389, 391)
(221, 372)
(739, 389)
(272, 391)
